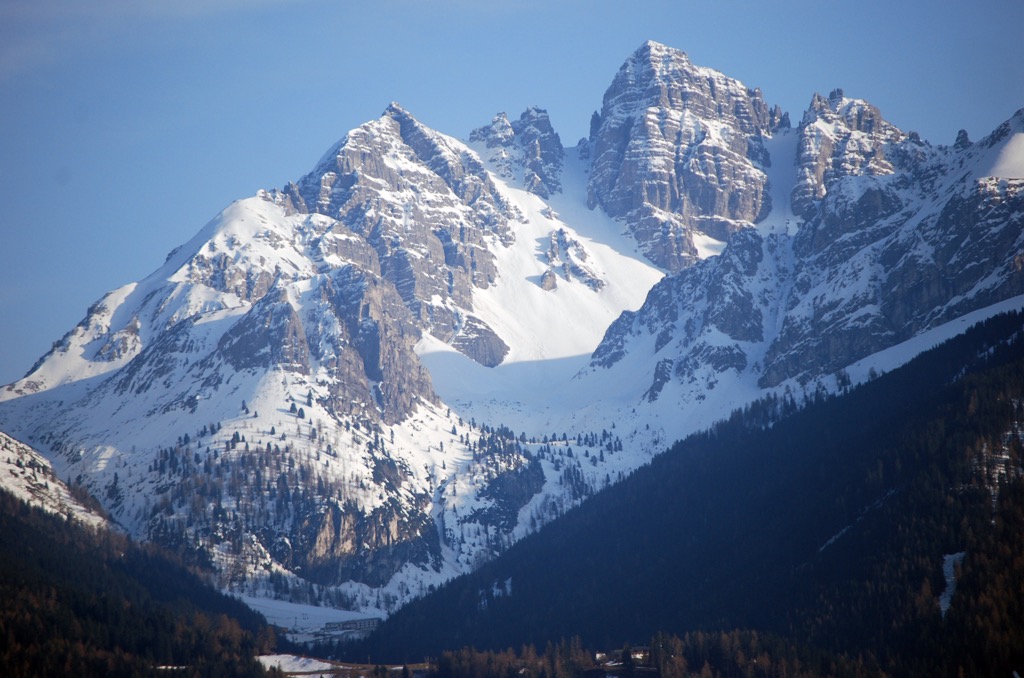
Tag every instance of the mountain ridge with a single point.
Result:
(381, 375)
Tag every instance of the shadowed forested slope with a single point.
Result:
(86, 603)
(829, 527)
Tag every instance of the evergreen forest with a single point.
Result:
(81, 602)
(880, 531)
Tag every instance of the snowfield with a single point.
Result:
(234, 402)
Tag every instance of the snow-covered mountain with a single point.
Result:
(262, 399)
(354, 387)
(876, 237)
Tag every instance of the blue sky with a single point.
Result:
(126, 126)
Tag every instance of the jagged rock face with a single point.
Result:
(342, 543)
(904, 237)
(528, 150)
(662, 375)
(839, 138)
(354, 327)
(376, 333)
(687, 313)
(218, 271)
(477, 339)
(426, 206)
(889, 255)
(568, 258)
(678, 149)
(269, 335)
(346, 327)
(121, 343)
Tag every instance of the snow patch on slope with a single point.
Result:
(782, 175)
(949, 564)
(1007, 160)
(290, 664)
(551, 333)
(29, 476)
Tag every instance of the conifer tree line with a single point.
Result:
(739, 654)
(826, 526)
(783, 541)
(218, 485)
(79, 602)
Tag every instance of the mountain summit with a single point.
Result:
(377, 377)
(678, 153)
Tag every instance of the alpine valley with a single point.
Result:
(349, 390)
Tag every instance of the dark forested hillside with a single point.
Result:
(829, 527)
(84, 603)
(707, 655)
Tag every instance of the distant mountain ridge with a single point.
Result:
(355, 387)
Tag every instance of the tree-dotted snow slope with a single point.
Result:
(351, 389)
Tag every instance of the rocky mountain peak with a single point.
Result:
(287, 390)
(853, 114)
(962, 140)
(677, 151)
(498, 134)
(662, 77)
(891, 237)
(527, 150)
(395, 110)
(840, 137)
(428, 210)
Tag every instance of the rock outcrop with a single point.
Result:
(527, 151)
(678, 150)
(426, 206)
(890, 237)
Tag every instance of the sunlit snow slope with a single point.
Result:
(351, 389)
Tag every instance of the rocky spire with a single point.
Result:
(677, 149)
(839, 137)
(528, 150)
